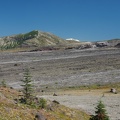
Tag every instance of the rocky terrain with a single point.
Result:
(38, 41)
(87, 100)
(52, 70)
(63, 68)
(12, 109)
(35, 41)
(58, 64)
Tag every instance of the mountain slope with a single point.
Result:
(38, 40)
(10, 109)
(45, 39)
(33, 39)
(113, 42)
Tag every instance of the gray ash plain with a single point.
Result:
(62, 68)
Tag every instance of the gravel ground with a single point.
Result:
(67, 68)
(88, 102)
(62, 68)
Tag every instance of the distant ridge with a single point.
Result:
(38, 40)
(32, 39)
(113, 42)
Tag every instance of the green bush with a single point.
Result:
(42, 103)
(3, 83)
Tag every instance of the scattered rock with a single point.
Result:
(11, 88)
(113, 90)
(39, 116)
(42, 90)
(55, 102)
(101, 44)
(118, 45)
(16, 101)
(50, 107)
(1, 95)
(54, 94)
(15, 64)
(86, 46)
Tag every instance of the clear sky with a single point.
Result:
(86, 20)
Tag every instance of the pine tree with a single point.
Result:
(27, 86)
(100, 112)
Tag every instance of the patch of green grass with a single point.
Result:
(22, 37)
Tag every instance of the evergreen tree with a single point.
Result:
(27, 86)
(100, 112)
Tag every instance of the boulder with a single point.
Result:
(39, 116)
(118, 45)
(54, 94)
(113, 90)
(101, 44)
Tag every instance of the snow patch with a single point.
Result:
(73, 39)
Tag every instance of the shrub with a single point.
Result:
(42, 103)
(3, 83)
(100, 112)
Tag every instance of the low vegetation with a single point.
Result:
(3, 83)
(17, 41)
(100, 113)
(23, 105)
(95, 86)
(12, 109)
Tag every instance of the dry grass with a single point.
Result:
(11, 110)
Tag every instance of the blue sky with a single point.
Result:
(86, 20)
